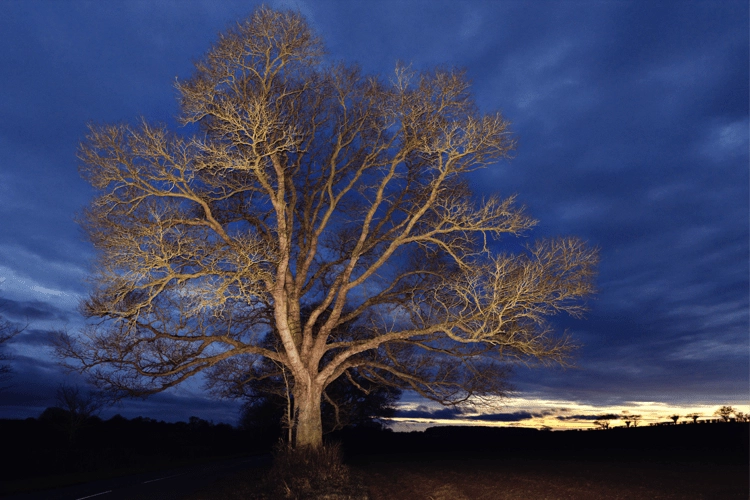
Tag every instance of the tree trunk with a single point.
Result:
(308, 424)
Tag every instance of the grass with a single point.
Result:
(477, 478)
(308, 473)
(295, 475)
(473, 477)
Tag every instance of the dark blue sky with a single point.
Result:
(632, 121)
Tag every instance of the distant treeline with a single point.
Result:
(719, 441)
(55, 444)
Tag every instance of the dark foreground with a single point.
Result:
(167, 484)
(468, 478)
(551, 478)
(682, 462)
(685, 461)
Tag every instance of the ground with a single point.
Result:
(431, 477)
(550, 478)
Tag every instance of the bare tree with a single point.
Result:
(603, 421)
(636, 419)
(725, 412)
(8, 330)
(80, 406)
(626, 418)
(310, 183)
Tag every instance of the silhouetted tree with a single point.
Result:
(313, 183)
(359, 403)
(264, 418)
(694, 416)
(8, 330)
(602, 424)
(79, 408)
(636, 419)
(725, 412)
(674, 418)
(740, 416)
(626, 418)
(197, 424)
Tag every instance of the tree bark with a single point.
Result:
(309, 425)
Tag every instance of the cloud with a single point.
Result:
(471, 24)
(423, 411)
(711, 350)
(173, 408)
(33, 382)
(34, 337)
(504, 417)
(608, 416)
(725, 142)
(43, 268)
(31, 310)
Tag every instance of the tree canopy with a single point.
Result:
(302, 185)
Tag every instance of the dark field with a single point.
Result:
(551, 478)
(47, 453)
(445, 478)
(704, 461)
(690, 462)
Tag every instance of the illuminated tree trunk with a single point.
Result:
(308, 422)
(288, 418)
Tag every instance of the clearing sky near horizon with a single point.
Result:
(632, 122)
